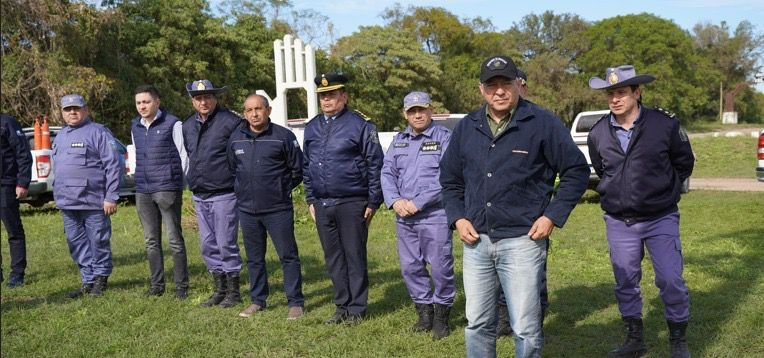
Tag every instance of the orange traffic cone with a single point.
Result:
(37, 133)
(45, 137)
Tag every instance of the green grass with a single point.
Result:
(722, 240)
(702, 126)
(725, 157)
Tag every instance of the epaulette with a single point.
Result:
(236, 113)
(666, 112)
(359, 113)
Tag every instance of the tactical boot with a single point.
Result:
(634, 345)
(440, 328)
(677, 339)
(233, 296)
(99, 286)
(503, 328)
(85, 289)
(425, 312)
(220, 290)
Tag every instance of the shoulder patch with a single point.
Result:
(683, 135)
(666, 112)
(374, 136)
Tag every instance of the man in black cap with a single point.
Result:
(205, 135)
(642, 156)
(342, 165)
(497, 175)
(15, 176)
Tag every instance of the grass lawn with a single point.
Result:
(725, 157)
(723, 242)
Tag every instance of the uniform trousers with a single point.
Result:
(88, 234)
(11, 219)
(153, 210)
(280, 226)
(343, 234)
(218, 221)
(627, 244)
(418, 245)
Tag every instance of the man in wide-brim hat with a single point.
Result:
(205, 135)
(642, 156)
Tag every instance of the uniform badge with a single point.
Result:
(374, 136)
(400, 145)
(78, 145)
(613, 78)
(431, 146)
(496, 63)
(683, 135)
(666, 112)
(200, 86)
(324, 81)
(239, 151)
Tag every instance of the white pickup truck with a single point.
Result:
(579, 130)
(41, 186)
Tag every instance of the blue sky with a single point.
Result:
(348, 15)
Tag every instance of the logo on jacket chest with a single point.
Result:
(78, 145)
(400, 145)
(430, 146)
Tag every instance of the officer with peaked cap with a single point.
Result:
(86, 189)
(205, 135)
(411, 188)
(341, 169)
(642, 156)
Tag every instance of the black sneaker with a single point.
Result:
(85, 289)
(15, 281)
(181, 293)
(155, 291)
(336, 318)
(353, 319)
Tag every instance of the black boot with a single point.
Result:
(425, 312)
(677, 339)
(99, 286)
(634, 345)
(232, 296)
(440, 326)
(503, 328)
(219, 293)
(85, 289)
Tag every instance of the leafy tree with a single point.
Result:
(655, 46)
(384, 64)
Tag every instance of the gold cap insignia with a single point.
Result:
(200, 86)
(613, 78)
(324, 81)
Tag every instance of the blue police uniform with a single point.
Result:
(268, 166)
(410, 171)
(15, 171)
(87, 172)
(341, 172)
(642, 170)
(212, 183)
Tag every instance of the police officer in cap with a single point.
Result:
(205, 135)
(410, 184)
(86, 189)
(341, 171)
(642, 156)
(15, 175)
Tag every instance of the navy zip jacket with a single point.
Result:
(157, 162)
(645, 182)
(267, 166)
(15, 157)
(343, 160)
(503, 184)
(206, 144)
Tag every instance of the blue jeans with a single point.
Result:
(518, 264)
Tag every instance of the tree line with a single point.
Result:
(104, 49)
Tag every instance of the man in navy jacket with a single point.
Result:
(205, 135)
(497, 176)
(160, 157)
(267, 162)
(642, 157)
(15, 175)
(341, 172)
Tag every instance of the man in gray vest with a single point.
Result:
(159, 161)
